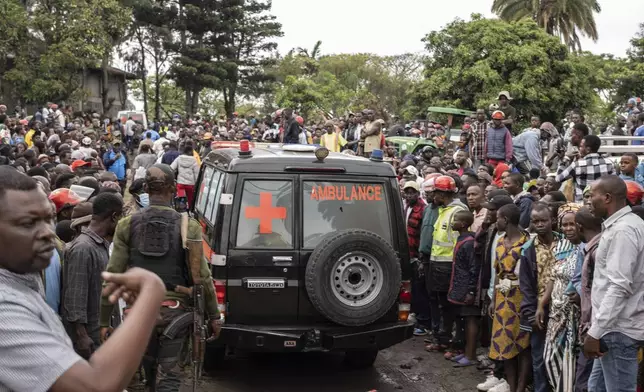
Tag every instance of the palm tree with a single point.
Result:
(567, 19)
(314, 54)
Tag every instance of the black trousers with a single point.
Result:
(161, 359)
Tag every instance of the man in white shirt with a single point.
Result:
(157, 147)
(59, 117)
(129, 127)
(617, 322)
(46, 112)
(86, 148)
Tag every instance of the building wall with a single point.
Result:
(116, 90)
(92, 83)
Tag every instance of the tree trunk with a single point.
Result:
(188, 104)
(157, 96)
(142, 71)
(157, 86)
(105, 84)
(194, 104)
(229, 101)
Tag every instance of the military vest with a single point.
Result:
(155, 245)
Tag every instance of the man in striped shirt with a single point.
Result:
(479, 136)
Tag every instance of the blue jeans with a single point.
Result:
(538, 343)
(616, 371)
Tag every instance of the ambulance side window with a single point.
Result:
(207, 204)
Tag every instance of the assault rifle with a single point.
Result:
(194, 253)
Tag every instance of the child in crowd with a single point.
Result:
(464, 290)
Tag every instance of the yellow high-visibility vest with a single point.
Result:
(444, 238)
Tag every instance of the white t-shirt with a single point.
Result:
(87, 151)
(58, 115)
(129, 127)
(158, 145)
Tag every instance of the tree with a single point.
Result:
(470, 62)
(336, 84)
(146, 52)
(15, 32)
(247, 43)
(314, 54)
(564, 18)
(64, 38)
(171, 97)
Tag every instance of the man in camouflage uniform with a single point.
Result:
(151, 239)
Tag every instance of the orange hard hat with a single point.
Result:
(299, 120)
(498, 115)
(445, 184)
(634, 193)
(63, 197)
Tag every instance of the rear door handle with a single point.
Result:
(283, 261)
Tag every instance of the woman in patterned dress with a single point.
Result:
(560, 353)
(509, 343)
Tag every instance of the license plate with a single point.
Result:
(265, 283)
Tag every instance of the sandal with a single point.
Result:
(464, 362)
(435, 347)
(457, 357)
(449, 355)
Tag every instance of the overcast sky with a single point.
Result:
(389, 27)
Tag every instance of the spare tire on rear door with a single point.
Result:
(353, 277)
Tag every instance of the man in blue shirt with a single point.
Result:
(115, 161)
(52, 282)
(640, 129)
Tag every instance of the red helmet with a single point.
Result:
(634, 193)
(299, 120)
(445, 184)
(63, 198)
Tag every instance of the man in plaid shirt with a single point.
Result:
(479, 136)
(588, 168)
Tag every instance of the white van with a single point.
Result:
(138, 116)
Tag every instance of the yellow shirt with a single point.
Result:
(29, 138)
(333, 141)
(197, 157)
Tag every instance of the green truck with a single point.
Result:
(413, 144)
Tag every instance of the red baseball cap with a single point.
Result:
(79, 163)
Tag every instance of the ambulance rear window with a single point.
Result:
(334, 206)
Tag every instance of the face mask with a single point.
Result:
(143, 200)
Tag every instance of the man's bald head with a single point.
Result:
(612, 185)
(607, 196)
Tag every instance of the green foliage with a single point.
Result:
(335, 84)
(172, 99)
(470, 62)
(64, 37)
(564, 18)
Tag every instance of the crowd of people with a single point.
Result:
(540, 269)
(526, 243)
